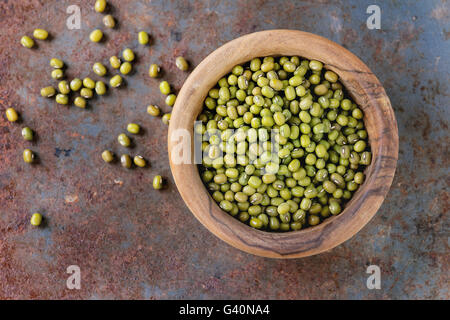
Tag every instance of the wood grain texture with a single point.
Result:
(379, 119)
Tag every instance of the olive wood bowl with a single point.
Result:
(363, 87)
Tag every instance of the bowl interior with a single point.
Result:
(362, 86)
(370, 126)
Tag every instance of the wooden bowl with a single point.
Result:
(379, 120)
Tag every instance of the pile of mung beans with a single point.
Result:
(87, 87)
(284, 147)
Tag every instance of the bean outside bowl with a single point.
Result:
(363, 87)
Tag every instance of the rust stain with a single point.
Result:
(441, 12)
(71, 198)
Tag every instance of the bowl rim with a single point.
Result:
(364, 88)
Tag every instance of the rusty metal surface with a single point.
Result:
(133, 242)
